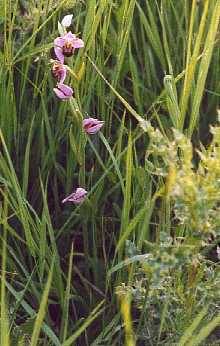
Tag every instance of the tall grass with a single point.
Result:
(137, 262)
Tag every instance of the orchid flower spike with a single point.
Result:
(65, 45)
(76, 197)
(63, 91)
(59, 71)
(67, 20)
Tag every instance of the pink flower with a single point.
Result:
(92, 125)
(59, 71)
(76, 197)
(63, 91)
(65, 45)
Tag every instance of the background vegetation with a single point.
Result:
(138, 261)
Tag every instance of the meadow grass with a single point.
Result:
(137, 263)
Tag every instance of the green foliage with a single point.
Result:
(138, 262)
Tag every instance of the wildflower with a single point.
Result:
(67, 20)
(65, 45)
(59, 71)
(63, 91)
(76, 197)
(92, 125)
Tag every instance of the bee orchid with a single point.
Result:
(63, 91)
(65, 45)
(76, 197)
(59, 71)
(92, 125)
